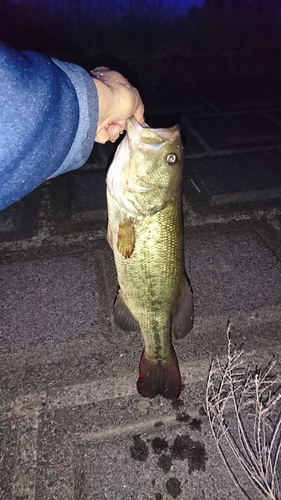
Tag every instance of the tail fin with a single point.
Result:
(159, 377)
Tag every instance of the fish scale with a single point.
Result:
(154, 296)
(151, 278)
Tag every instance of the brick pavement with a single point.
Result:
(73, 426)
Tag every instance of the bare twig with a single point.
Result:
(258, 446)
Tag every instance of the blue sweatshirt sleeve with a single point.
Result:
(48, 120)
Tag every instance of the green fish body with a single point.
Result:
(145, 232)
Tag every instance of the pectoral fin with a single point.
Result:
(126, 239)
(123, 316)
(183, 320)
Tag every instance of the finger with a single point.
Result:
(110, 133)
(139, 113)
(115, 129)
(102, 136)
(99, 72)
(118, 123)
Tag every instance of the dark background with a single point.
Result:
(154, 42)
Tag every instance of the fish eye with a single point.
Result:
(171, 159)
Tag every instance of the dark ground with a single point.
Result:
(73, 425)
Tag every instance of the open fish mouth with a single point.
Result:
(151, 136)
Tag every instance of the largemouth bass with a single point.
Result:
(145, 232)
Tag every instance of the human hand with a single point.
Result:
(118, 101)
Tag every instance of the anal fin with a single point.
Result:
(159, 377)
(123, 316)
(182, 321)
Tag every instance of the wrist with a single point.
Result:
(105, 101)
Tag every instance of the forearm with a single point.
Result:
(48, 120)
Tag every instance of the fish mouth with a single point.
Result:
(115, 184)
(151, 136)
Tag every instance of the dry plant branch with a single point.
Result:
(255, 438)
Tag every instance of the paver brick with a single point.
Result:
(20, 220)
(72, 424)
(236, 99)
(229, 180)
(238, 131)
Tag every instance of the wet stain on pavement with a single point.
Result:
(165, 463)
(183, 417)
(158, 445)
(177, 404)
(194, 423)
(158, 496)
(139, 451)
(158, 423)
(173, 487)
(184, 447)
(202, 411)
